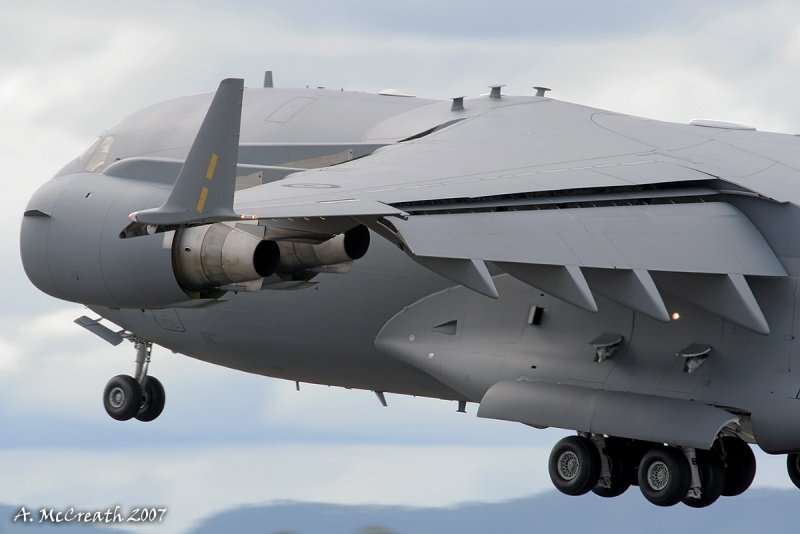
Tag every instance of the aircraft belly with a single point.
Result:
(471, 343)
(494, 341)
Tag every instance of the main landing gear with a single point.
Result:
(666, 475)
(140, 396)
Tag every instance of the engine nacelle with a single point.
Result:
(219, 254)
(342, 248)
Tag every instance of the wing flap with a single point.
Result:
(634, 289)
(701, 251)
(690, 238)
(726, 295)
(565, 282)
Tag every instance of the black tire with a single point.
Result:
(712, 479)
(574, 465)
(740, 465)
(153, 400)
(793, 467)
(122, 397)
(623, 470)
(664, 476)
(636, 451)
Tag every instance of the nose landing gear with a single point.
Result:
(142, 396)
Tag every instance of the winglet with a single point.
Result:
(204, 189)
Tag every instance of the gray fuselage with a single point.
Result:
(383, 326)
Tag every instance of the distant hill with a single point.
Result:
(758, 510)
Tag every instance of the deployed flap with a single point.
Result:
(728, 296)
(711, 237)
(204, 189)
(470, 273)
(614, 413)
(619, 246)
(564, 282)
(632, 288)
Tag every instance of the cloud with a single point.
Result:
(10, 356)
(227, 437)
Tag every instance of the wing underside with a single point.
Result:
(702, 251)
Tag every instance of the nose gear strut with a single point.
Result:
(125, 397)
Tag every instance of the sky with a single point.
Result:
(70, 70)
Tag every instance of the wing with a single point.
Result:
(569, 199)
(522, 147)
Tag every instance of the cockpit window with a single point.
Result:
(94, 159)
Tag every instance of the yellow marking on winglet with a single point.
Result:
(201, 202)
(212, 166)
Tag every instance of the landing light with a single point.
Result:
(676, 316)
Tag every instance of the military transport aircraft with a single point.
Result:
(562, 266)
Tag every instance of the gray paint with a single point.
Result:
(628, 415)
(644, 219)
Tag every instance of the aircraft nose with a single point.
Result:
(33, 233)
(71, 250)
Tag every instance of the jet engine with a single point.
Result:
(215, 255)
(342, 248)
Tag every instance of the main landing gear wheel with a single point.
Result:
(664, 476)
(793, 467)
(712, 479)
(122, 397)
(740, 465)
(153, 400)
(574, 465)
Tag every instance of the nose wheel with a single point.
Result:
(153, 399)
(142, 397)
(122, 397)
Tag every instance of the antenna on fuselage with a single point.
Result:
(268, 78)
